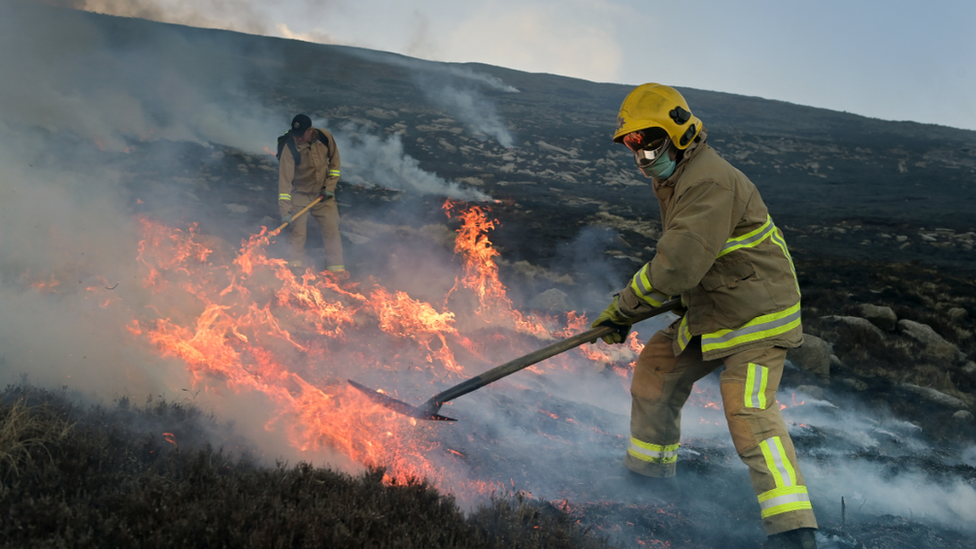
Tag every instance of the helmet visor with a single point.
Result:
(646, 148)
(652, 153)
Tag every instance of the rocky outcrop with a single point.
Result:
(841, 321)
(934, 396)
(884, 323)
(957, 314)
(926, 357)
(814, 356)
(935, 344)
(963, 416)
(882, 317)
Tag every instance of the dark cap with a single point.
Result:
(300, 123)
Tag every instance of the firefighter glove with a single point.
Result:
(287, 218)
(327, 194)
(614, 318)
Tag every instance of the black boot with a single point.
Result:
(801, 538)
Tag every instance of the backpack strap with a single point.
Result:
(294, 151)
(289, 141)
(321, 137)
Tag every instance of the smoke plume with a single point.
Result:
(456, 90)
(382, 162)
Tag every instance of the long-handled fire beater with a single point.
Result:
(429, 409)
(296, 216)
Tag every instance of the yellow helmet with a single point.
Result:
(658, 106)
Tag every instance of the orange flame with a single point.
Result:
(481, 271)
(241, 321)
(249, 324)
(46, 286)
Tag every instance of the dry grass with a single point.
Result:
(26, 434)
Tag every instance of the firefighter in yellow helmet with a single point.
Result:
(722, 254)
(309, 166)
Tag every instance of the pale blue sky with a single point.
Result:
(888, 59)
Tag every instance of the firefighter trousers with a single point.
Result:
(662, 384)
(326, 213)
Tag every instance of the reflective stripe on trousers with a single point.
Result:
(755, 393)
(787, 496)
(653, 453)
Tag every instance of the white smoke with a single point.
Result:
(455, 89)
(383, 162)
(467, 73)
(69, 76)
(447, 71)
(65, 228)
(465, 102)
(174, 88)
(475, 111)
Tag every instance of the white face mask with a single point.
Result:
(660, 165)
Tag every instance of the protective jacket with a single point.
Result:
(318, 168)
(721, 252)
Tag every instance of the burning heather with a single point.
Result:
(249, 325)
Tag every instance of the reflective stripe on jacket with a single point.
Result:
(720, 251)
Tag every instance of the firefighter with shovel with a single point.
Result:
(722, 254)
(308, 172)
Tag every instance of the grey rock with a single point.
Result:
(970, 368)
(963, 415)
(957, 313)
(855, 384)
(839, 321)
(813, 356)
(932, 395)
(552, 299)
(882, 317)
(934, 343)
